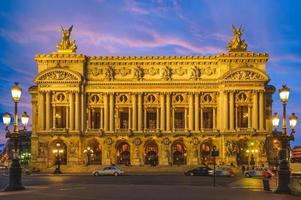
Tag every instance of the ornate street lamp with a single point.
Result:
(284, 138)
(57, 152)
(15, 170)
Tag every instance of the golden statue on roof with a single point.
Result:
(66, 45)
(237, 44)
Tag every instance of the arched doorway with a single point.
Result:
(242, 156)
(57, 152)
(93, 152)
(151, 153)
(205, 152)
(123, 153)
(178, 153)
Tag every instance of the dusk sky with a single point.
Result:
(153, 27)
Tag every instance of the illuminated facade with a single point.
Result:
(160, 110)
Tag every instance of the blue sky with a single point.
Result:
(153, 27)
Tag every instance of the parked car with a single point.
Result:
(199, 171)
(259, 172)
(224, 171)
(112, 170)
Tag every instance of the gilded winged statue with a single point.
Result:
(237, 44)
(66, 45)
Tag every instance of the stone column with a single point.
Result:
(48, 110)
(158, 119)
(191, 114)
(173, 118)
(41, 112)
(202, 119)
(34, 117)
(261, 111)
(101, 118)
(220, 111)
(82, 110)
(162, 102)
(53, 116)
(226, 114)
(130, 118)
(197, 112)
(186, 119)
(249, 116)
(214, 117)
(77, 102)
(231, 111)
(255, 115)
(89, 111)
(111, 112)
(168, 111)
(71, 105)
(67, 118)
(134, 106)
(106, 112)
(140, 112)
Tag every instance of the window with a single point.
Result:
(208, 117)
(60, 117)
(151, 120)
(242, 115)
(124, 120)
(95, 118)
(179, 119)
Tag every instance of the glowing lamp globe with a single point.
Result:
(293, 120)
(6, 119)
(16, 92)
(24, 119)
(275, 120)
(284, 93)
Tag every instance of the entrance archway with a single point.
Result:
(151, 153)
(205, 152)
(123, 153)
(93, 152)
(57, 151)
(241, 156)
(178, 153)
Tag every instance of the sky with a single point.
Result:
(152, 27)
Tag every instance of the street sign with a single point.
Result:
(214, 153)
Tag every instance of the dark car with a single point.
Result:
(199, 171)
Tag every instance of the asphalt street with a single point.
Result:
(146, 187)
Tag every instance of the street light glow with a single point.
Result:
(6, 119)
(293, 120)
(284, 93)
(16, 92)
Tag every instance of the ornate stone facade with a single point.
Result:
(150, 109)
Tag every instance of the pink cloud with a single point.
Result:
(89, 37)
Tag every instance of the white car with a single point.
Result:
(258, 172)
(224, 171)
(112, 170)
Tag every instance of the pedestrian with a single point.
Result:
(243, 169)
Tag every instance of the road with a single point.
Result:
(146, 187)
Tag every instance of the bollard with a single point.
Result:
(266, 184)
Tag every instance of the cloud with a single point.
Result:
(155, 40)
(286, 58)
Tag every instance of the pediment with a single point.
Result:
(246, 75)
(58, 75)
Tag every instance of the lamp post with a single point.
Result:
(15, 170)
(57, 152)
(284, 138)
